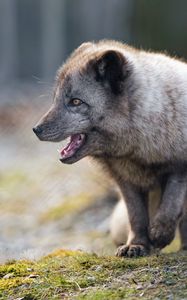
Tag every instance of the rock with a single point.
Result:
(9, 275)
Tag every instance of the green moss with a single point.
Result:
(16, 268)
(115, 294)
(68, 274)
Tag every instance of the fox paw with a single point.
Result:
(132, 251)
(162, 232)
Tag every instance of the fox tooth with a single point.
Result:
(58, 150)
(82, 136)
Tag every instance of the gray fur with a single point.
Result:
(134, 115)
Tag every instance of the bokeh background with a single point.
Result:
(44, 204)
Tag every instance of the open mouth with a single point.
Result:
(75, 143)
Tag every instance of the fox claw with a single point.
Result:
(132, 251)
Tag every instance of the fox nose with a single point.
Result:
(37, 130)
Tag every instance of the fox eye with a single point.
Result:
(75, 102)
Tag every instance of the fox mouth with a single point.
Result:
(75, 143)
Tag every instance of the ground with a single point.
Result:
(78, 275)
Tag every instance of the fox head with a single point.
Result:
(90, 104)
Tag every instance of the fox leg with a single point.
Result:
(163, 227)
(137, 207)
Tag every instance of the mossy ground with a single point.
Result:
(78, 275)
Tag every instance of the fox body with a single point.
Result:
(127, 108)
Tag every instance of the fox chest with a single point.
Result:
(139, 175)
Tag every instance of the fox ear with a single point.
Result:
(110, 68)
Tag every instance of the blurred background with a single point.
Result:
(44, 204)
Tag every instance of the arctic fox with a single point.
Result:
(127, 108)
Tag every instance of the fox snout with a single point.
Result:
(47, 132)
(41, 132)
(48, 129)
(38, 130)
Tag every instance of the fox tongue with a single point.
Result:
(75, 142)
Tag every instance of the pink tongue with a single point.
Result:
(72, 146)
